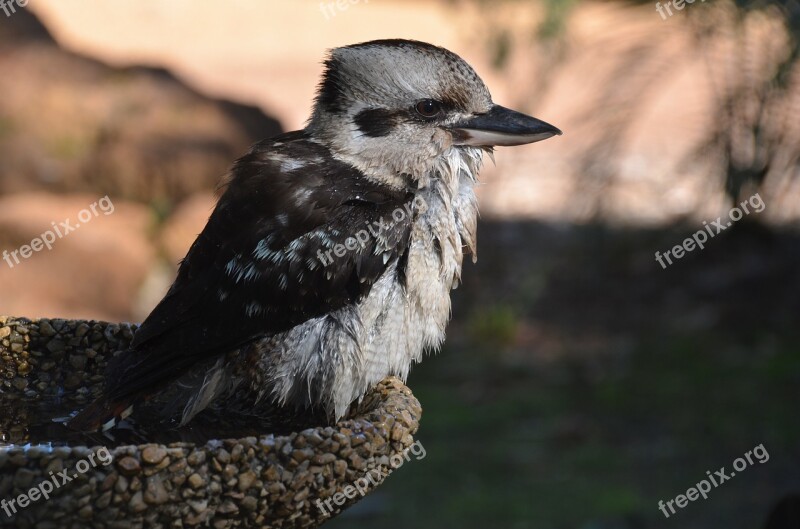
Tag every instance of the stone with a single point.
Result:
(129, 466)
(197, 481)
(249, 503)
(45, 329)
(137, 503)
(153, 455)
(246, 480)
(228, 507)
(154, 492)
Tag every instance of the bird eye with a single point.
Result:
(428, 108)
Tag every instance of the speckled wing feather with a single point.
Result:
(262, 264)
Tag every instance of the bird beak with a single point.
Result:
(501, 126)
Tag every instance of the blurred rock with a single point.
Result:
(93, 271)
(69, 123)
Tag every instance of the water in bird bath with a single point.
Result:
(41, 421)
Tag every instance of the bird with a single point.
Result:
(329, 258)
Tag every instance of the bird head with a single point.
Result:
(396, 107)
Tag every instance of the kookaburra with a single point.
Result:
(328, 262)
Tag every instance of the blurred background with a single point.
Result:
(581, 382)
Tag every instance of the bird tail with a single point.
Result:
(115, 403)
(102, 414)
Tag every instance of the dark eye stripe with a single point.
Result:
(377, 122)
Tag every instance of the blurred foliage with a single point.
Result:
(498, 36)
(69, 146)
(556, 15)
(754, 138)
(751, 140)
(6, 126)
(494, 325)
(514, 447)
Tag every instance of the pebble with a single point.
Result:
(196, 458)
(55, 346)
(340, 468)
(357, 462)
(301, 496)
(197, 481)
(246, 480)
(78, 362)
(121, 486)
(129, 466)
(228, 507)
(249, 503)
(223, 456)
(153, 455)
(45, 329)
(104, 500)
(302, 455)
(229, 472)
(137, 503)
(324, 459)
(86, 513)
(108, 482)
(23, 368)
(198, 506)
(154, 492)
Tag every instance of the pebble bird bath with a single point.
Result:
(218, 474)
